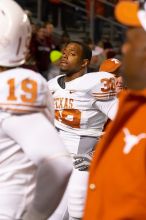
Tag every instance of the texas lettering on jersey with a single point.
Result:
(68, 115)
(62, 103)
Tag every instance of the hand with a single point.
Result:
(82, 161)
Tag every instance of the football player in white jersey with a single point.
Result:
(83, 103)
(33, 171)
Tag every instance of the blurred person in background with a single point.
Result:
(117, 176)
(120, 85)
(32, 156)
(30, 59)
(44, 45)
(42, 52)
(115, 67)
(97, 58)
(49, 33)
(97, 55)
(108, 49)
(111, 66)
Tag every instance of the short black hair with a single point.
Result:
(87, 52)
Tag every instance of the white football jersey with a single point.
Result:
(85, 104)
(23, 91)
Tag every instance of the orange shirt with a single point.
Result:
(117, 183)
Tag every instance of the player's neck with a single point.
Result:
(73, 76)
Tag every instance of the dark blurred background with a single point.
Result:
(56, 22)
(82, 18)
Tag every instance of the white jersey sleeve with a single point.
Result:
(103, 87)
(42, 141)
(105, 95)
(24, 91)
(109, 108)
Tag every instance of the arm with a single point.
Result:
(109, 107)
(43, 146)
(77, 190)
(104, 94)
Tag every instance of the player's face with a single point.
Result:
(71, 61)
(134, 61)
(119, 84)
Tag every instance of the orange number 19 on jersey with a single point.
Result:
(28, 86)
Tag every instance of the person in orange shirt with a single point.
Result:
(117, 182)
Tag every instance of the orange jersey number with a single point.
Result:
(71, 117)
(28, 86)
(108, 84)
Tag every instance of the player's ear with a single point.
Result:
(85, 63)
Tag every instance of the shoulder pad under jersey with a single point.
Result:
(102, 85)
(23, 90)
